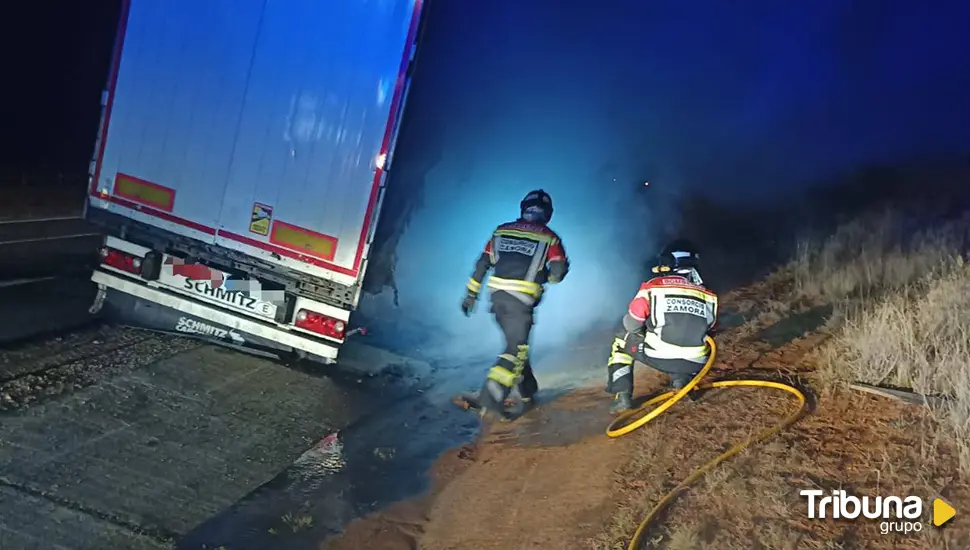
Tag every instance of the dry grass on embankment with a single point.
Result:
(904, 305)
(898, 313)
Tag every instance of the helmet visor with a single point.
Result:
(535, 214)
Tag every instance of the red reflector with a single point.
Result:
(320, 324)
(120, 260)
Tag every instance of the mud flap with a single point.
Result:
(98, 300)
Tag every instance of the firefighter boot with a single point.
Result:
(492, 401)
(622, 402)
(516, 407)
(528, 388)
(678, 381)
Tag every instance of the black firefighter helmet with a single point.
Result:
(536, 207)
(679, 256)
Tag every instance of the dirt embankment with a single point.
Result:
(554, 480)
(544, 481)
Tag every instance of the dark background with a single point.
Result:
(55, 63)
(831, 83)
(722, 106)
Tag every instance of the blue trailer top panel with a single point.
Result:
(259, 125)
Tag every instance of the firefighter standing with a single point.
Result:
(665, 326)
(525, 255)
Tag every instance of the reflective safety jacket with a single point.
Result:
(525, 256)
(676, 314)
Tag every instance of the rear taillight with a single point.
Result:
(320, 324)
(121, 260)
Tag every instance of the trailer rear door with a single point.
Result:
(257, 125)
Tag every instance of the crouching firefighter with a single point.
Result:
(524, 255)
(665, 326)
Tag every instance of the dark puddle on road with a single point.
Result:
(381, 458)
(386, 455)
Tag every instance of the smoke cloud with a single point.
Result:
(601, 215)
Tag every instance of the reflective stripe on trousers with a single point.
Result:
(656, 348)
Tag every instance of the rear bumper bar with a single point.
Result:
(236, 326)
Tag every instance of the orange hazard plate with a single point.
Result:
(308, 242)
(144, 192)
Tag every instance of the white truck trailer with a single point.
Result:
(241, 162)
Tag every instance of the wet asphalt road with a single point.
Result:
(381, 458)
(151, 441)
(148, 441)
(137, 460)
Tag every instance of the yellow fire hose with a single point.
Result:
(622, 426)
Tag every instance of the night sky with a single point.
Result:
(735, 100)
(702, 92)
(55, 62)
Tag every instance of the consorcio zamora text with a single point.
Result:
(898, 514)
